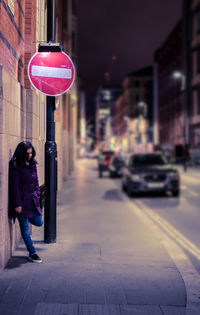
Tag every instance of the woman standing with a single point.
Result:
(24, 193)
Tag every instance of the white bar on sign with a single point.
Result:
(51, 72)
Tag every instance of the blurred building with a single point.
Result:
(195, 82)
(105, 100)
(82, 122)
(169, 96)
(133, 118)
(23, 109)
(67, 112)
(119, 124)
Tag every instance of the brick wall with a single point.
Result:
(30, 36)
(22, 109)
(11, 132)
(18, 38)
(12, 38)
(19, 106)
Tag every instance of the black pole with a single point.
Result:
(50, 147)
(51, 20)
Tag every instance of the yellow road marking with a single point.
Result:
(174, 233)
(190, 179)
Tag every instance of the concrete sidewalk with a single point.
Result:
(105, 260)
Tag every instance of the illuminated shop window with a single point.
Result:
(11, 5)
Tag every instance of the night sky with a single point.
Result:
(129, 29)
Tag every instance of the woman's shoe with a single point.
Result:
(35, 258)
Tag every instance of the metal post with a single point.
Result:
(51, 20)
(50, 147)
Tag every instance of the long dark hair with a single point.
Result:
(21, 153)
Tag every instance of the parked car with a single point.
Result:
(149, 172)
(115, 165)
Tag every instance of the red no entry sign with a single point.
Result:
(52, 73)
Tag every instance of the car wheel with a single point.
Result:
(129, 192)
(123, 187)
(175, 193)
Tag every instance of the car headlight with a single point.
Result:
(135, 178)
(174, 175)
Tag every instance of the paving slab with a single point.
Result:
(56, 309)
(91, 309)
(140, 310)
(171, 310)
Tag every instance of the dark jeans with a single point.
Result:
(100, 170)
(24, 227)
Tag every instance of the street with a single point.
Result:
(113, 255)
(183, 213)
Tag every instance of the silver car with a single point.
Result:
(149, 172)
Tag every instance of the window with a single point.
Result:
(73, 43)
(40, 111)
(193, 101)
(11, 5)
(148, 160)
(41, 21)
(137, 98)
(198, 102)
(74, 7)
(137, 83)
(198, 60)
(198, 22)
(42, 115)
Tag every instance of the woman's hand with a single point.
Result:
(18, 209)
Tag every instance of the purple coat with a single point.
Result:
(24, 189)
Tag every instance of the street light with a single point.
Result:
(142, 109)
(180, 75)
